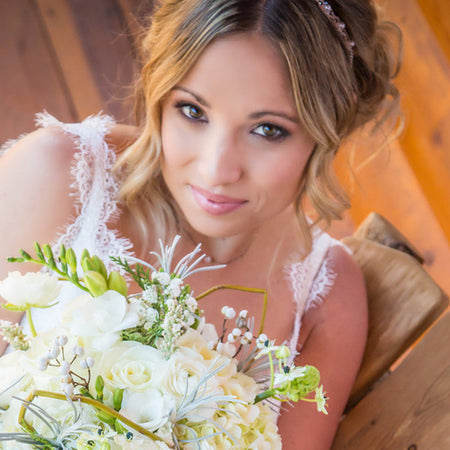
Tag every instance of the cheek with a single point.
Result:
(176, 142)
(283, 177)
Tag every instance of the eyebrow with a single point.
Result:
(197, 97)
(255, 115)
(259, 114)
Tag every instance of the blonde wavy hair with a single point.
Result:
(334, 94)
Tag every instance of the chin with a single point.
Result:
(216, 228)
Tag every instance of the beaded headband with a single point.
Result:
(338, 25)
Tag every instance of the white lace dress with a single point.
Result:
(96, 191)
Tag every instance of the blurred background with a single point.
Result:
(74, 58)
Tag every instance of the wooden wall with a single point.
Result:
(76, 57)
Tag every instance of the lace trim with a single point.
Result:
(95, 188)
(323, 283)
(311, 280)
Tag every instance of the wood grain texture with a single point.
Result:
(30, 79)
(403, 302)
(437, 13)
(107, 46)
(64, 37)
(378, 229)
(410, 409)
(425, 85)
(388, 186)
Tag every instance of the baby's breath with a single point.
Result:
(13, 334)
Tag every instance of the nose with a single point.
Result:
(221, 160)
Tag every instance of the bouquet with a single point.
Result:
(141, 370)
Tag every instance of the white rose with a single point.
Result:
(101, 318)
(241, 386)
(150, 408)
(35, 289)
(186, 368)
(132, 365)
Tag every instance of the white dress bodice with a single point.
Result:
(95, 190)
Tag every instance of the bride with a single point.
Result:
(245, 105)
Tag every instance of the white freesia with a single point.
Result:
(35, 289)
(150, 408)
(293, 373)
(131, 365)
(101, 318)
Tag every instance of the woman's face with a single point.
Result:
(234, 148)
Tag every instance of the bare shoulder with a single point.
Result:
(35, 189)
(121, 136)
(50, 148)
(333, 338)
(346, 302)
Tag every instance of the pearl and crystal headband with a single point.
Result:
(338, 25)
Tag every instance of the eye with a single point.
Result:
(270, 131)
(191, 111)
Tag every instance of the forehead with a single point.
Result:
(245, 66)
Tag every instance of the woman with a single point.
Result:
(245, 105)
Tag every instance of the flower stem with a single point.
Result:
(263, 395)
(311, 400)
(272, 372)
(96, 404)
(30, 323)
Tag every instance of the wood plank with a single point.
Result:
(411, 408)
(376, 228)
(29, 79)
(425, 85)
(136, 14)
(403, 302)
(437, 13)
(388, 186)
(107, 47)
(63, 34)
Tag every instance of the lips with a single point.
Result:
(216, 204)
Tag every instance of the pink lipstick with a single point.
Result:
(216, 204)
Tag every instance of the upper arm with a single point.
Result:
(34, 194)
(333, 339)
(34, 190)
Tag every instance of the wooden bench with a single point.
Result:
(409, 407)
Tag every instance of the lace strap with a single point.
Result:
(311, 279)
(94, 186)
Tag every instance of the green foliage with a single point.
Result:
(95, 279)
(140, 275)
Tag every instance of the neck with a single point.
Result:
(222, 250)
(254, 242)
